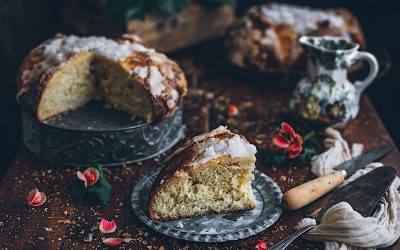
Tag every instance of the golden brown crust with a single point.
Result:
(31, 86)
(257, 42)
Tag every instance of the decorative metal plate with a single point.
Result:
(220, 227)
(93, 134)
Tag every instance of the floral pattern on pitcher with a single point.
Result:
(326, 94)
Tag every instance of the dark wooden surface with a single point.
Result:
(63, 222)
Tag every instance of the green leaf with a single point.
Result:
(270, 158)
(173, 7)
(310, 148)
(78, 188)
(102, 189)
(124, 10)
(233, 3)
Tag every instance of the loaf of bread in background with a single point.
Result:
(266, 37)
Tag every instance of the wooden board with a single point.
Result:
(164, 33)
(188, 28)
(64, 223)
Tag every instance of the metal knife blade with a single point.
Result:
(364, 193)
(312, 208)
(352, 165)
(314, 189)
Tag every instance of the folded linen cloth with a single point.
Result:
(343, 228)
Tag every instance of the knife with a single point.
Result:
(362, 194)
(308, 192)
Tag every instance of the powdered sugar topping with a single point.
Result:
(221, 129)
(142, 72)
(301, 19)
(62, 47)
(58, 50)
(234, 147)
(155, 81)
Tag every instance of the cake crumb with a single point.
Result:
(179, 225)
(127, 240)
(66, 222)
(89, 238)
(48, 229)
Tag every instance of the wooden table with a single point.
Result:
(63, 222)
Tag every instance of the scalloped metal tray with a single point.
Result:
(219, 227)
(93, 134)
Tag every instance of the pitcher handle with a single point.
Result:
(373, 71)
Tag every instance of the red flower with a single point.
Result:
(261, 245)
(107, 227)
(90, 176)
(36, 198)
(289, 140)
(233, 111)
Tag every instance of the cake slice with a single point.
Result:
(209, 174)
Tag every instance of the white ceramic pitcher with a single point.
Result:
(325, 94)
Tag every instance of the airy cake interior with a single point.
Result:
(219, 185)
(120, 91)
(87, 76)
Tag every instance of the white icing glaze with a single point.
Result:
(302, 19)
(174, 94)
(156, 81)
(171, 103)
(174, 97)
(221, 129)
(59, 49)
(234, 147)
(142, 72)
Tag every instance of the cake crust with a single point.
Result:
(157, 74)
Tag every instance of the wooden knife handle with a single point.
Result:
(308, 192)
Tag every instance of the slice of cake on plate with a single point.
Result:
(209, 174)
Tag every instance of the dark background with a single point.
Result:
(26, 23)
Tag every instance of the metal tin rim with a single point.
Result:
(122, 145)
(140, 125)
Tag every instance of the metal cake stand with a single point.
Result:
(92, 134)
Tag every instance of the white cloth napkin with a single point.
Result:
(343, 228)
